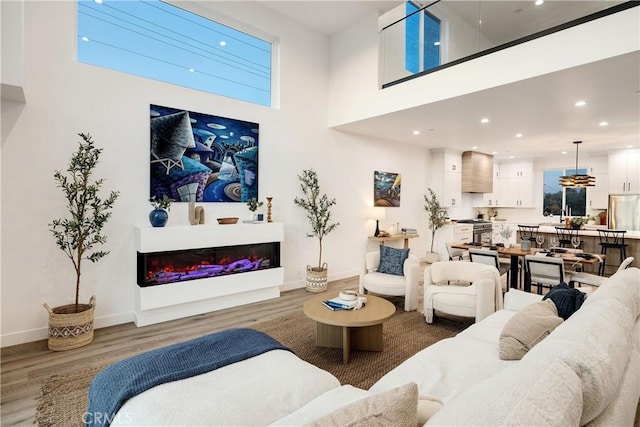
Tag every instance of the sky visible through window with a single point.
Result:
(430, 34)
(558, 200)
(162, 42)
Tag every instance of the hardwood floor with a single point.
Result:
(24, 367)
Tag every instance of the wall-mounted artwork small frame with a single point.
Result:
(197, 157)
(386, 189)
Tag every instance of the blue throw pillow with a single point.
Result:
(392, 260)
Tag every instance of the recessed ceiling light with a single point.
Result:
(563, 152)
(416, 132)
(580, 104)
(604, 123)
(85, 39)
(539, 2)
(223, 43)
(485, 120)
(512, 157)
(629, 146)
(518, 135)
(475, 147)
(494, 152)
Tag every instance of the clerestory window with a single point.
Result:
(159, 41)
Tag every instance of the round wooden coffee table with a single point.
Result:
(349, 329)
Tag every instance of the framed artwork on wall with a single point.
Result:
(196, 157)
(386, 189)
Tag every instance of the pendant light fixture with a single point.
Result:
(576, 180)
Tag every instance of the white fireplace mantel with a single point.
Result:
(160, 303)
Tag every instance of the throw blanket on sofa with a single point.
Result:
(121, 381)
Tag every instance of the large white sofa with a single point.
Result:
(586, 372)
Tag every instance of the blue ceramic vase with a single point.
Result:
(158, 217)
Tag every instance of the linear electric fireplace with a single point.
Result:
(159, 268)
(187, 270)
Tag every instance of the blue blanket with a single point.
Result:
(121, 381)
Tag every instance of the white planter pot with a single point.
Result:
(431, 257)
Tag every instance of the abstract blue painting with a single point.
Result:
(197, 157)
(386, 189)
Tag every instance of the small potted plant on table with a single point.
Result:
(253, 204)
(159, 216)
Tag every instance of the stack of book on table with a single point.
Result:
(409, 231)
(338, 303)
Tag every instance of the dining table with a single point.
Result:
(575, 257)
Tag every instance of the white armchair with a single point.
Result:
(391, 284)
(479, 299)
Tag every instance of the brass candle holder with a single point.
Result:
(269, 198)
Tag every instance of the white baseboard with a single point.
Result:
(38, 334)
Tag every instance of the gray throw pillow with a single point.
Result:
(392, 260)
(527, 328)
(397, 407)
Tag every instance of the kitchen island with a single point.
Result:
(590, 242)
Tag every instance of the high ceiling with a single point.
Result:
(540, 108)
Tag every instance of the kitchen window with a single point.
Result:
(563, 201)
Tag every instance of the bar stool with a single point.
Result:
(565, 234)
(613, 239)
(528, 232)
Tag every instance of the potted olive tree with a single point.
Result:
(436, 217)
(78, 235)
(318, 210)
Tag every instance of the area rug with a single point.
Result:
(64, 397)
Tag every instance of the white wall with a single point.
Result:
(355, 96)
(65, 97)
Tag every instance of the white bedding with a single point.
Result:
(257, 391)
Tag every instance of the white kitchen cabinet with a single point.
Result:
(624, 171)
(452, 233)
(598, 196)
(447, 177)
(515, 185)
(490, 200)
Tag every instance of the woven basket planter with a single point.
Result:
(69, 329)
(317, 278)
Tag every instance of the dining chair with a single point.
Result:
(544, 271)
(565, 235)
(456, 254)
(490, 257)
(595, 279)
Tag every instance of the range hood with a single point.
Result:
(477, 172)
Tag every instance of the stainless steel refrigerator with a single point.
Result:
(624, 212)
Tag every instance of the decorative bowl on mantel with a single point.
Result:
(228, 220)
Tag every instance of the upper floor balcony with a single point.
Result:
(416, 40)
